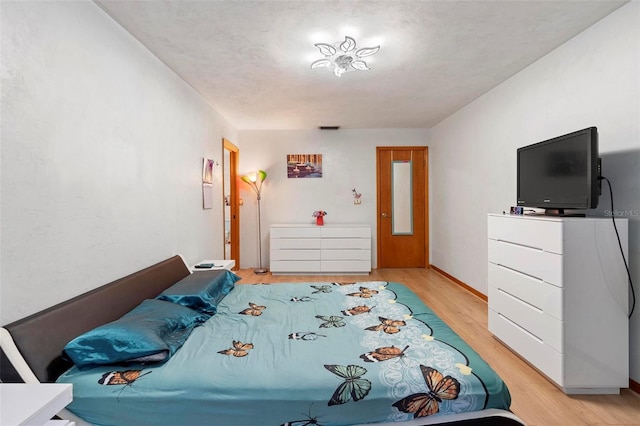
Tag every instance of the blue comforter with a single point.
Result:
(303, 353)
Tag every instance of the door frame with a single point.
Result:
(234, 200)
(426, 199)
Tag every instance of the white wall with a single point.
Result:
(102, 149)
(348, 161)
(592, 80)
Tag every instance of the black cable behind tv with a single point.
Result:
(626, 265)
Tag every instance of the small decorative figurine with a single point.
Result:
(356, 197)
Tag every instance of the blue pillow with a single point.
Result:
(152, 331)
(202, 290)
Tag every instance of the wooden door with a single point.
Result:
(231, 204)
(402, 207)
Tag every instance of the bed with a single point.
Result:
(332, 353)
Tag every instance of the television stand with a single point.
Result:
(554, 283)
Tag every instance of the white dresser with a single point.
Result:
(328, 249)
(558, 296)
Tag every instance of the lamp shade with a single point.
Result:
(252, 178)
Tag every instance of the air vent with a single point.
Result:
(328, 127)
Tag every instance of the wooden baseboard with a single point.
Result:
(634, 386)
(460, 283)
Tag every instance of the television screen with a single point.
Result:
(560, 173)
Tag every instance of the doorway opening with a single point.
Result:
(231, 202)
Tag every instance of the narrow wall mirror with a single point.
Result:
(401, 198)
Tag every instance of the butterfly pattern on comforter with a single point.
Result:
(354, 352)
(438, 388)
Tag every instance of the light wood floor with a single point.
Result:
(534, 399)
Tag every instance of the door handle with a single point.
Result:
(386, 215)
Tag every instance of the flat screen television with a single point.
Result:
(560, 173)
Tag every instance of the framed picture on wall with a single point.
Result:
(207, 170)
(304, 166)
(207, 196)
(207, 183)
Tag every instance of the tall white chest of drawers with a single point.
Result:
(344, 249)
(558, 296)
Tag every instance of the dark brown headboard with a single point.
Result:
(42, 336)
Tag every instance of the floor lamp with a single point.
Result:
(255, 181)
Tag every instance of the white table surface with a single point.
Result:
(32, 404)
(218, 264)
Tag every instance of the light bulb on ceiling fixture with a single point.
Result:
(343, 56)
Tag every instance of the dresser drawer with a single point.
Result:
(543, 357)
(295, 232)
(346, 255)
(546, 297)
(346, 266)
(346, 243)
(295, 254)
(346, 232)
(294, 265)
(536, 233)
(294, 243)
(536, 263)
(546, 328)
(320, 249)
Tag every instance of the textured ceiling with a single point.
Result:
(251, 59)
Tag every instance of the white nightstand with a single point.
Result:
(217, 264)
(33, 404)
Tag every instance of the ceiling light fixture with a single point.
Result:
(343, 56)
